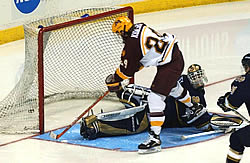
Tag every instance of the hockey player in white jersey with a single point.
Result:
(145, 47)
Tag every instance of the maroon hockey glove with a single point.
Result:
(113, 86)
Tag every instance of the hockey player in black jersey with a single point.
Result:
(134, 118)
(239, 94)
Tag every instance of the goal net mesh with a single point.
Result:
(76, 60)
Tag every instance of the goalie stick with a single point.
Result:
(55, 136)
(184, 137)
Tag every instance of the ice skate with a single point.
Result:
(152, 145)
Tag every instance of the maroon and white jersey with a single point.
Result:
(145, 47)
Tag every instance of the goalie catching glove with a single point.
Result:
(193, 113)
(113, 84)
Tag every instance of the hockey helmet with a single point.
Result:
(122, 25)
(196, 76)
(246, 61)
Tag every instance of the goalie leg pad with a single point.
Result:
(224, 122)
(134, 95)
(130, 125)
(120, 114)
(120, 122)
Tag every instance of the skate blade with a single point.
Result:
(151, 150)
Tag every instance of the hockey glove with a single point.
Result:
(193, 113)
(221, 103)
(113, 86)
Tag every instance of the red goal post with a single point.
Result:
(127, 10)
(67, 56)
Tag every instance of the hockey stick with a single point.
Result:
(55, 136)
(240, 115)
(184, 137)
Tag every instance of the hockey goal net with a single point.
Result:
(67, 56)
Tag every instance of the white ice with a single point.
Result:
(214, 36)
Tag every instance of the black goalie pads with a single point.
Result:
(120, 122)
(225, 122)
(134, 95)
(131, 120)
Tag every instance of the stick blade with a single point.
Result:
(52, 135)
(183, 137)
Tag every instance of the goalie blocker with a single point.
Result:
(133, 118)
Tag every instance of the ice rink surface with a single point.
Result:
(214, 36)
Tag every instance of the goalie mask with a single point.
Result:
(196, 76)
(122, 26)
